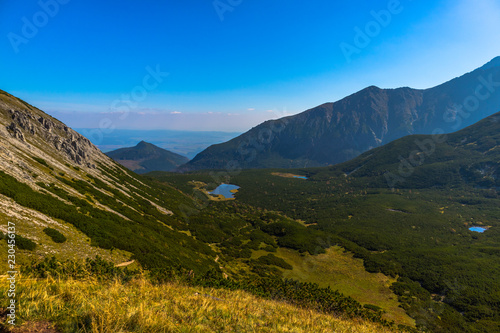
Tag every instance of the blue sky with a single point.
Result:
(231, 63)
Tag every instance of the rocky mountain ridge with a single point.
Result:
(52, 159)
(336, 132)
(36, 134)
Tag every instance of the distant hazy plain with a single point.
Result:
(187, 143)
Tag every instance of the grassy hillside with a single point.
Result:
(218, 236)
(97, 296)
(139, 228)
(337, 268)
(138, 306)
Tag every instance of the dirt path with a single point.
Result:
(35, 327)
(123, 264)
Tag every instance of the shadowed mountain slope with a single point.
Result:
(336, 132)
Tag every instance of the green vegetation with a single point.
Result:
(302, 295)
(97, 297)
(418, 234)
(23, 243)
(145, 235)
(233, 230)
(415, 229)
(42, 162)
(56, 236)
(271, 259)
(171, 246)
(240, 231)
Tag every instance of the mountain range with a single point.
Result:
(146, 157)
(336, 132)
(405, 208)
(79, 214)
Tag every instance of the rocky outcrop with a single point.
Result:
(146, 157)
(26, 127)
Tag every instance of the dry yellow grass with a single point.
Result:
(139, 306)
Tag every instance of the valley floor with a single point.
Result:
(339, 270)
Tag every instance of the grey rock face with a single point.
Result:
(76, 147)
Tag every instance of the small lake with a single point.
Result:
(225, 190)
(478, 229)
(301, 177)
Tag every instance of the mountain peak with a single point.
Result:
(143, 144)
(146, 157)
(495, 62)
(336, 132)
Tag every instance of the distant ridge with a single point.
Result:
(470, 156)
(337, 132)
(146, 157)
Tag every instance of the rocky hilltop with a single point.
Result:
(146, 157)
(35, 134)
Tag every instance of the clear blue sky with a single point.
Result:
(263, 59)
